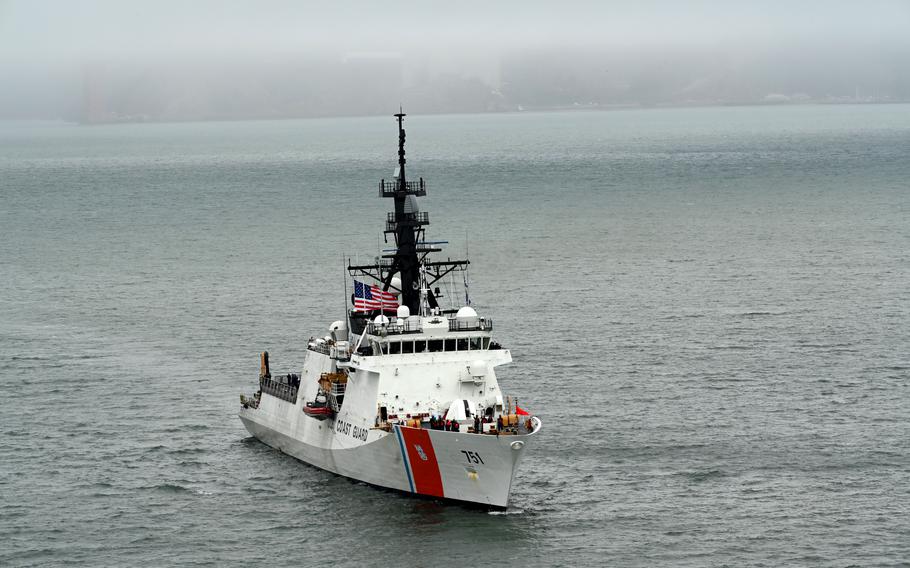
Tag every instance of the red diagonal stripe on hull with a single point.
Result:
(425, 468)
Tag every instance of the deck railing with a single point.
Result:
(283, 391)
(393, 220)
(416, 326)
(323, 348)
(406, 326)
(390, 188)
(483, 324)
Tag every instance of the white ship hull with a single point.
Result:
(392, 461)
(460, 466)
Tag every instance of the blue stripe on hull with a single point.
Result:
(404, 457)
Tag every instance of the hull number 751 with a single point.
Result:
(472, 457)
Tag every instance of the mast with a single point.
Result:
(406, 223)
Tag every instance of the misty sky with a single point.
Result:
(47, 46)
(51, 31)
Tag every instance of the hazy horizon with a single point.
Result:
(103, 60)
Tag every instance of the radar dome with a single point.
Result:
(466, 312)
(396, 283)
(404, 312)
(381, 320)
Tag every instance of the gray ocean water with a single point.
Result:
(708, 308)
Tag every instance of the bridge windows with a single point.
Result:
(393, 347)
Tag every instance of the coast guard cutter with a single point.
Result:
(402, 393)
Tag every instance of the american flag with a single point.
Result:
(371, 297)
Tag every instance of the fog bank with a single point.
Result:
(99, 61)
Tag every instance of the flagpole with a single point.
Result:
(467, 270)
(344, 293)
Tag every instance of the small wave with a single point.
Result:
(890, 368)
(168, 488)
(508, 512)
(686, 446)
(701, 476)
(187, 451)
(882, 420)
(757, 313)
(571, 365)
(730, 379)
(674, 317)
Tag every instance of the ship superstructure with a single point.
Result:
(402, 393)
